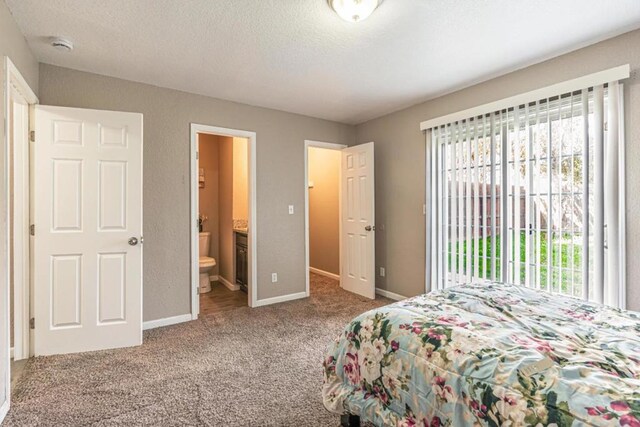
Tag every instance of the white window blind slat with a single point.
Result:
(549, 165)
(572, 198)
(492, 168)
(468, 271)
(485, 211)
(454, 206)
(446, 202)
(586, 222)
(476, 201)
(505, 182)
(537, 188)
(508, 220)
(515, 190)
(598, 194)
(527, 197)
(611, 202)
(460, 228)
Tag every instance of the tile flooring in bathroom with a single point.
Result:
(221, 300)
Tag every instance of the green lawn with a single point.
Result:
(561, 257)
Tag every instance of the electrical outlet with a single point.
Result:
(274, 277)
(290, 209)
(382, 272)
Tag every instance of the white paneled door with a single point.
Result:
(87, 216)
(358, 221)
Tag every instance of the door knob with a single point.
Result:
(368, 228)
(133, 241)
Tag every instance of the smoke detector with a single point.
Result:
(62, 44)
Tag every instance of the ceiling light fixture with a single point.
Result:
(62, 44)
(354, 10)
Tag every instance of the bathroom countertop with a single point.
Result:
(240, 231)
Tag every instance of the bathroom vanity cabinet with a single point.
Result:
(242, 263)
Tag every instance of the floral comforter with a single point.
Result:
(466, 356)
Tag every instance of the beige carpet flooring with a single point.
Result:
(246, 367)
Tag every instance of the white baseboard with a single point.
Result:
(158, 323)
(214, 278)
(390, 295)
(283, 298)
(4, 409)
(324, 273)
(228, 284)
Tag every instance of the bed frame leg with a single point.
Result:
(349, 420)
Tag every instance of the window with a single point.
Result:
(531, 195)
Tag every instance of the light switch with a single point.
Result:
(290, 209)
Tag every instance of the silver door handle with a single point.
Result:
(133, 241)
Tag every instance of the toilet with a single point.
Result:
(206, 263)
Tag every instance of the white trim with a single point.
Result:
(390, 295)
(426, 211)
(20, 150)
(167, 321)
(333, 276)
(282, 298)
(12, 75)
(4, 410)
(622, 194)
(601, 77)
(251, 235)
(12, 80)
(330, 146)
(228, 284)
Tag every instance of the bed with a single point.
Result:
(487, 355)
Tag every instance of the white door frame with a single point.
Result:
(252, 284)
(329, 146)
(20, 149)
(14, 86)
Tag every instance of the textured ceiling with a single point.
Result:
(299, 56)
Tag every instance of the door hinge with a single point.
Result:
(32, 229)
(32, 136)
(32, 323)
(197, 155)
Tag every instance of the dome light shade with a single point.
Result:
(62, 44)
(354, 10)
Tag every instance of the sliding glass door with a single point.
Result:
(520, 195)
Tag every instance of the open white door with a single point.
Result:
(87, 212)
(358, 221)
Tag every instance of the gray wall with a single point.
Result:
(13, 45)
(400, 165)
(167, 115)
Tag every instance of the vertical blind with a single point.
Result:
(531, 195)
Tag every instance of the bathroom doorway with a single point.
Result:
(323, 208)
(223, 219)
